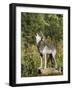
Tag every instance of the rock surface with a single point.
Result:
(49, 71)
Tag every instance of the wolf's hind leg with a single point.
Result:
(55, 63)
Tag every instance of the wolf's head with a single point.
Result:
(38, 38)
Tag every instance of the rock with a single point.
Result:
(49, 71)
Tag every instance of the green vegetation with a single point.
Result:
(50, 27)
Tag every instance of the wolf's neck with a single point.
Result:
(37, 42)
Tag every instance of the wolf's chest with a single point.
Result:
(45, 50)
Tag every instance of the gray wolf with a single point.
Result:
(44, 50)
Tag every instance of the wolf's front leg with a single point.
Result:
(40, 62)
(55, 63)
(45, 61)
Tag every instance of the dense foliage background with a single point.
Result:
(50, 27)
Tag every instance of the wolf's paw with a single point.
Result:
(40, 68)
(45, 67)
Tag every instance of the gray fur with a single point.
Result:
(46, 49)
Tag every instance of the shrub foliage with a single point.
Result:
(50, 27)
